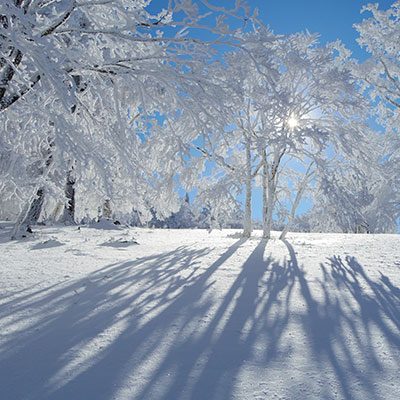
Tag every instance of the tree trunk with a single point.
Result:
(271, 187)
(58, 211)
(107, 211)
(29, 208)
(35, 208)
(69, 211)
(270, 183)
(265, 178)
(247, 222)
(296, 202)
(21, 218)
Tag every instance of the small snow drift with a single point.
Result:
(106, 224)
(121, 242)
(47, 244)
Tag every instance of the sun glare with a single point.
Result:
(292, 122)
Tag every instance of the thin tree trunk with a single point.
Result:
(296, 202)
(270, 183)
(265, 178)
(58, 211)
(247, 223)
(69, 211)
(35, 208)
(21, 218)
(23, 215)
(37, 203)
(107, 211)
(270, 207)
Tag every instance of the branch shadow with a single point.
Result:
(349, 321)
(65, 321)
(215, 355)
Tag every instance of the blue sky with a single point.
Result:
(332, 19)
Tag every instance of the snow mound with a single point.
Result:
(121, 242)
(47, 244)
(106, 224)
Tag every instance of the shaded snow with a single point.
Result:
(191, 315)
(46, 244)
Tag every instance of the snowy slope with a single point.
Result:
(91, 314)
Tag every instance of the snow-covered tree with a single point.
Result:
(104, 73)
(64, 42)
(379, 75)
(226, 149)
(295, 110)
(379, 78)
(305, 106)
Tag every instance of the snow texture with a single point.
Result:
(186, 314)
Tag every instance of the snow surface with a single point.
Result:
(131, 313)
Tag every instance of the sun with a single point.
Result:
(292, 122)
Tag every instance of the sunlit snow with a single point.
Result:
(184, 314)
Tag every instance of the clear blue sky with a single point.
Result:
(332, 19)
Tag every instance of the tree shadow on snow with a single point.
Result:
(343, 323)
(159, 327)
(56, 355)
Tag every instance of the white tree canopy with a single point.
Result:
(104, 73)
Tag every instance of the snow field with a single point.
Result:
(184, 314)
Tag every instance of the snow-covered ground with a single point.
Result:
(183, 314)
